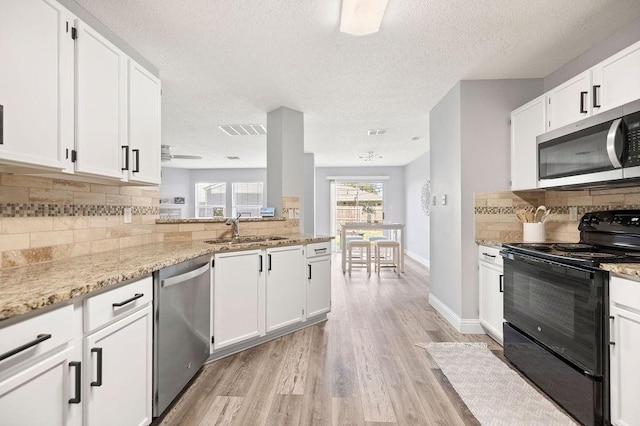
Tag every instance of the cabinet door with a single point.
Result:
(625, 367)
(35, 94)
(527, 122)
(100, 104)
(318, 286)
(285, 283)
(118, 372)
(615, 80)
(569, 102)
(238, 297)
(491, 299)
(41, 394)
(144, 125)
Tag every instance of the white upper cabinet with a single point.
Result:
(36, 93)
(615, 80)
(100, 104)
(569, 102)
(144, 125)
(527, 122)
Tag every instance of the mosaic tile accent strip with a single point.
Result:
(555, 209)
(55, 210)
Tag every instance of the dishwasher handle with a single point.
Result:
(184, 277)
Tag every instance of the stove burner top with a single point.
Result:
(574, 247)
(591, 255)
(633, 254)
(536, 246)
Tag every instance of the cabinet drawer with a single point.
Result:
(35, 336)
(106, 307)
(318, 249)
(490, 255)
(624, 292)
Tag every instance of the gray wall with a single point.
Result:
(182, 182)
(444, 221)
(621, 39)
(394, 192)
(416, 174)
(308, 208)
(469, 153)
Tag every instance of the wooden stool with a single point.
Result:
(381, 255)
(364, 260)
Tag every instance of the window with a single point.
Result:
(211, 199)
(247, 198)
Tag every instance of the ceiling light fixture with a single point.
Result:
(362, 17)
(243, 129)
(376, 132)
(370, 156)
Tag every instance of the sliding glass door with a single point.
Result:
(354, 201)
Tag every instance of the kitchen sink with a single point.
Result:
(245, 240)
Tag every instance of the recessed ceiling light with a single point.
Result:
(362, 17)
(233, 158)
(376, 132)
(243, 129)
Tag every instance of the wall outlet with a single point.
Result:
(127, 215)
(434, 200)
(573, 214)
(444, 200)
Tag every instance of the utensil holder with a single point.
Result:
(533, 232)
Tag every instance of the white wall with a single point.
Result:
(182, 182)
(469, 153)
(394, 192)
(417, 239)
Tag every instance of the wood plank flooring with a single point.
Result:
(361, 367)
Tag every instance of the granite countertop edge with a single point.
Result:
(28, 288)
(218, 220)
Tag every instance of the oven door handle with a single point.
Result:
(531, 260)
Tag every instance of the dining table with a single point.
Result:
(396, 231)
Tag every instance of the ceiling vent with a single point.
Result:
(233, 158)
(243, 129)
(376, 132)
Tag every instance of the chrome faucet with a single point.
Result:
(236, 225)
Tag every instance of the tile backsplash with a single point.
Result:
(495, 218)
(43, 219)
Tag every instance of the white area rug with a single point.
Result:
(495, 394)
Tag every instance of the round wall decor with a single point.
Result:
(425, 197)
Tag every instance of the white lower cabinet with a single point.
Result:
(284, 287)
(238, 297)
(624, 351)
(46, 393)
(491, 291)
(318, 294)
(118, 372)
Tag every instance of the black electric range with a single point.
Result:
(556, 310)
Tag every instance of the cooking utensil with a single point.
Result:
(530, 215)
(545, 216)
(520, 214)
(540, 211)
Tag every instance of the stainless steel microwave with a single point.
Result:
(602, 148)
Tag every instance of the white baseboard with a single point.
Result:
(417, 258)
(464, 326)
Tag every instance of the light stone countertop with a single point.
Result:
(27, 288)
(219, 220)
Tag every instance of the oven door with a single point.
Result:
(559, 306)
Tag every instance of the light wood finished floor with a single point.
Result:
(359, 368)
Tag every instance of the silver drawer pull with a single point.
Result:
(39, 339)
(322, 250)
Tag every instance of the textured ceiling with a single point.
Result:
(232, 61)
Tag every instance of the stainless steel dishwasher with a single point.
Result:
(182, 327)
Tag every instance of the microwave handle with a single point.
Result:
(614, 143)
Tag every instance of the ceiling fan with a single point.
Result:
(166, 155)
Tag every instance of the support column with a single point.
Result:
(285, 161)
(308, 210)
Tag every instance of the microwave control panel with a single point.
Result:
(633, 140)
